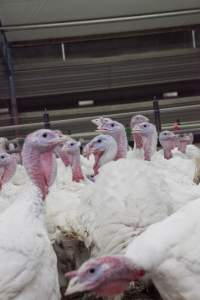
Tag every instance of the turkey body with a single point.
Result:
(27, 260)
(169, 256)
(133, 194)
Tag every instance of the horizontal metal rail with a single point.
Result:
(34, 126)
(101, 20)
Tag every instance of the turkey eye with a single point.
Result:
(92, 270)
(72, 144)
(99, 141)
(45, 134)
(165, 133)
(2, 156)
(112, 125)
(144, 125)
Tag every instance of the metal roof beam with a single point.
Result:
(101, 20)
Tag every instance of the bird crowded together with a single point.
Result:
(136, 210)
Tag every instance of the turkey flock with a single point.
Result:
(136, 211)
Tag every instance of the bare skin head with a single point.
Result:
(72, 149)
(117, 131)
(168, 142)
(183, 140)
(138, 144)
(39, 159)
(149, 138)
(104, 148)
(104, 276)
(8, 165)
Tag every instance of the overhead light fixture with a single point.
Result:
(170, 94)
(85, 102)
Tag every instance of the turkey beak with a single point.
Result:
(136, 129)
(64, 147)
(59, 140)
(75, 286)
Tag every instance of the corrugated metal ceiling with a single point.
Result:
(16, 12)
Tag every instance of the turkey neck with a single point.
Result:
(107, 156)
(9, 171)
(77, 174)
(122, 144)
(32, 162)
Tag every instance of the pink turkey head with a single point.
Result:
(145, 129)
(105, 276)
(111, 127)
(149, 138)
(104, 148)
(117, 131)
(168, 142)
(137, 120)
(8, 165)
(72, 148)
(183, 139)
(3, 143)
(138, 143)
(39, 159)
(100, 121)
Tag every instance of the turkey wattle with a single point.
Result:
(104, 148)
(72, 149)
(135, 120)
(8, 166)
(149, 138)
(168, 142)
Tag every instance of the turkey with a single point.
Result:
(117, 131)
(163, 252)
(104, 148)
(183, 140)
(100, 121)
(28, 265)
(8, 166)
(137, 137)
(3, 144)
(149, 138)
(167, 140)
(72, 149)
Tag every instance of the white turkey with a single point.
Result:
(104, 148)
(167, 252)
(28, 265)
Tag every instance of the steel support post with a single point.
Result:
(4, 46)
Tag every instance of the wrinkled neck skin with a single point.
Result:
(182, 146)
(108, 155)
(167, 145)
(101, 158)
(147, 147)
(138, 142)
(122, 144)
(8, 172)
(77, 174)
(63, 155)
(39, 170)
(97, 156)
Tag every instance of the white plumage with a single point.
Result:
(169, 252)
(27, 261)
